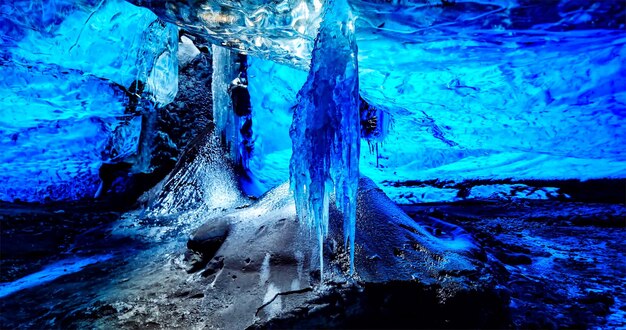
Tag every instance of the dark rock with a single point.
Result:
(209, 237)
(164, 134)
(195, 261)
(108, 172)
(407, 249)
(241, 100)
(438, 276)
(513, 259)
(246, 129)
(599, 303)
(202, 178)
(197, 295)
(214, 266)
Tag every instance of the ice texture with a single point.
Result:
(67, 69)
(273, 88)
(326, 130)
(496, 89)
(481, 90)
(227, 123)
(282, 30)
(109, 39)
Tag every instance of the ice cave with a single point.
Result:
(312, 164)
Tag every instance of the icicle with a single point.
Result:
(326, 129)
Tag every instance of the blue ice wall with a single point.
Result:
(273, 88)
(497, 89)
(67, 69)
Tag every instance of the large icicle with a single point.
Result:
(325, 130)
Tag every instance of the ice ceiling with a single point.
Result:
(468, 89)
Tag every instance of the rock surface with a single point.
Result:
(560, 272)
(262, 276)
(405, 276)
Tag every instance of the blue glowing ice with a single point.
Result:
(51, 273)
(227, 123)
(326, 128)
(273, 89)
(67, 69)
(278, 30)
(525, 90)
(54, 124)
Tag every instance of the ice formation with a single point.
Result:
(68, 69)
(476, 91)
(470, 89)
(326, 129)
(273, 89)
(282, 31)
(226, 68)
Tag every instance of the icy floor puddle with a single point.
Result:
(50, 273)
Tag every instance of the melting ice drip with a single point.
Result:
(326, 129)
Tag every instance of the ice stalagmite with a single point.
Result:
(325, 129)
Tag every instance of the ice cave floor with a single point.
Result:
(221, 260)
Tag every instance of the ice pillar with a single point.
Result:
(326, 128)
(231, 104)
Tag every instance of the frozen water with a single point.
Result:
(475, 89)
(68, 68)
(273, 88)
(112, 39)
(326, 129)
(51, 273)
(226, 68)
(282, 31)
(484, 91)
(54, 125)
(489, 90)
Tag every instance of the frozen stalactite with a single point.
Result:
(227, 66)
(326, 128)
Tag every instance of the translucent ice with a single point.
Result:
(483, 89)
(273, 89)
(496, 89)
(326, 129)
(109, 39)
(282, 31)
(67, 70)
(227, 124)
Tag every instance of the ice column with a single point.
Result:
(326, 129)
(231, 103)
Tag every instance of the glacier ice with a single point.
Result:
(273, 89)
(226, 67)
(496, 89)
(83, 39)
(54, 125)
(477, 91)
(326, 129)
(67, 103)
(473, 89)
(282, 31)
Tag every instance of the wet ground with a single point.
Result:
(565, 261)
(35, 235)
(562, 263)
